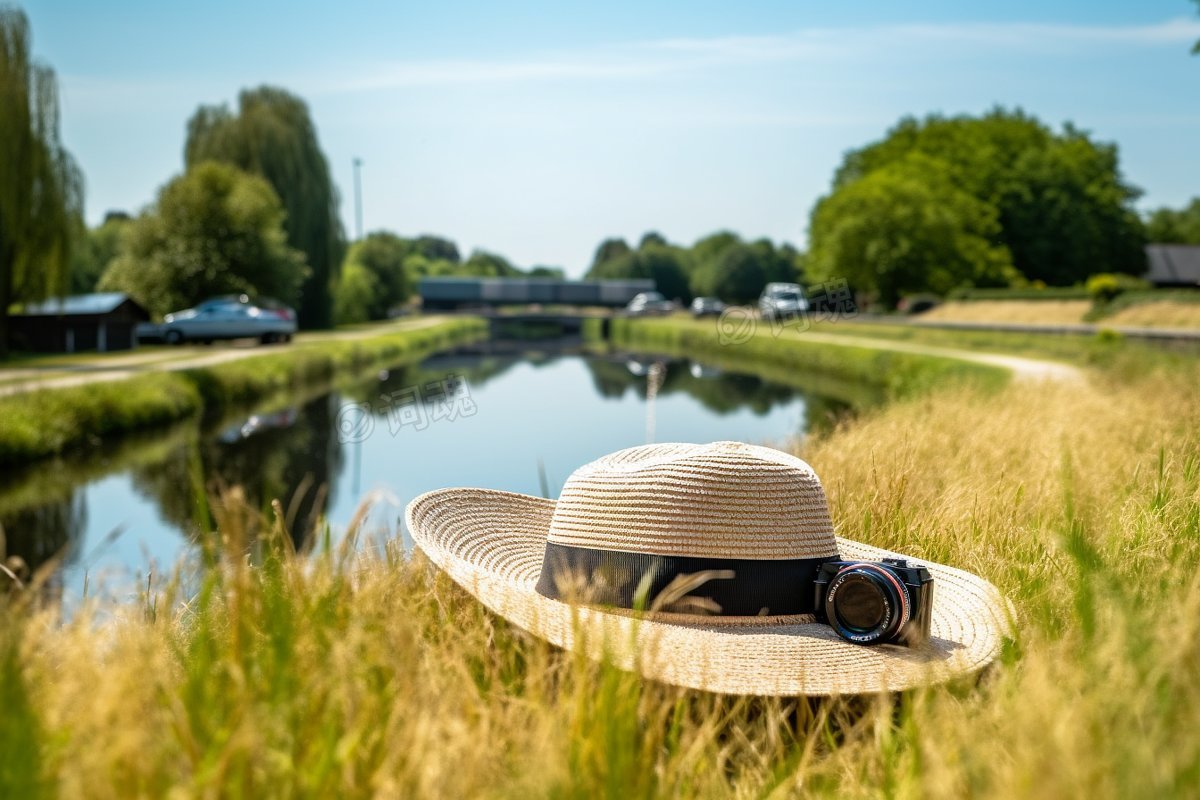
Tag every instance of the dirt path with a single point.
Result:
(95, 369)
(1024, 369)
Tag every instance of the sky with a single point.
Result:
(536, 129)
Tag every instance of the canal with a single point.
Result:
(514, 420)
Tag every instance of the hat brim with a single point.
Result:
(491, 543)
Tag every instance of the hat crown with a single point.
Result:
(720, 500)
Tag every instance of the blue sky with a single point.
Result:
(535, 129)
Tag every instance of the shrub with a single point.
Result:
(1105, 287)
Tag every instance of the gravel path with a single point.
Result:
(92, 369)
(1024, 369)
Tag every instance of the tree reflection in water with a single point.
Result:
(292, 453)
(287, 454)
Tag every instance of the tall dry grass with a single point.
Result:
(366, 674)
(1157, 314)
(1044, 312)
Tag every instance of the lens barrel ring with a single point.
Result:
(892, 595)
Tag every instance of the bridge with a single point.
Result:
(450, 294)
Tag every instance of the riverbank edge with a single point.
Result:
(868, 376)
(46, 422)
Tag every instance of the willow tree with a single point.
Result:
(272, 135)
(41, 189)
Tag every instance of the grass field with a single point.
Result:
(1045, 312)
(367, 675)
(860, 375)
(1157, 314)
(1139, 310)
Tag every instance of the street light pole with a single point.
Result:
(358, 199)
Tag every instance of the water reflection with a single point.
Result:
(156, 486)
(291, 454)
(717, 390)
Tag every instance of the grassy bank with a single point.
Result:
(44, 422)
(1158, 308)
(859, 375)
(368, 675)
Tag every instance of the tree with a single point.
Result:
(1168, 226)
(737, 272)
(652, 237)
(1064, 210)
(272, 135)
(489, 265)
(907, 228)
(214, 230)
(667, 266)
(437, 248)
(94, 249)
(608, 250)
(709, 249)
(380, 257)
(41, 189)
(736, 275)
(354, 300)
(1196, 46)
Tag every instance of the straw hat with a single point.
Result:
(737, 527)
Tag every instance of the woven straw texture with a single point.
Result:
(725, 499)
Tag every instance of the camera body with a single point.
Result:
(875, 602)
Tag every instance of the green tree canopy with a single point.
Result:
(272, 135)
(41, 189)
(437, 248)
(489, 265)
(94, 249)
(608, 250)
(737, 272)
(652, 237)
(907, 227)
(377, 262)
(214, 230)
(709, 248)
(667, 266)
(355, 298)
(1063, 208)
(1168, 226)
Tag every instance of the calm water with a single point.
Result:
(514, 422)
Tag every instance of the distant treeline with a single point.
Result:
(940, 204)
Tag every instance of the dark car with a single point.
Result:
(707, 306)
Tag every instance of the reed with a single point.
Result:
(360, 672)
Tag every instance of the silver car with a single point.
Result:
(782, 301)
(649, 303)
(231, 317)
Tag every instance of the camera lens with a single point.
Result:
(861, 605)
(867, 604)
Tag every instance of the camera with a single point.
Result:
(875, 602)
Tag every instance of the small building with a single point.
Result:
(1173, 265)
(104, 321)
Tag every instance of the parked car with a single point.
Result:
(782, 300)
(229, 317)
(707, 306)
(649, 303)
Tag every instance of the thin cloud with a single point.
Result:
(648, 59)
